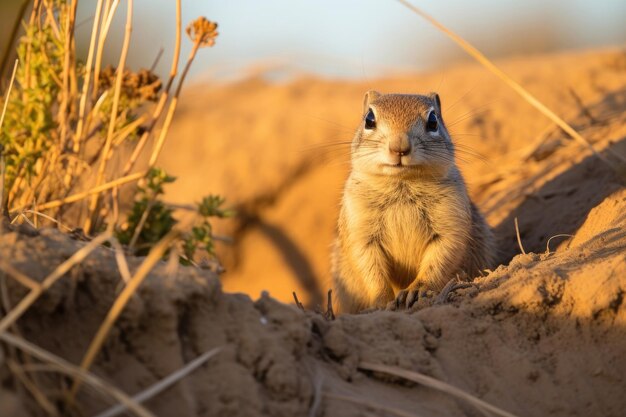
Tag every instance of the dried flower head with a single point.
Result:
(143, 85)
(202, 31)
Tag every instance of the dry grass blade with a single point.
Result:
(32, 388)
(122, 264)
(519, 238)
(550, 240)
(163, 384)
(153, 257)
(71, 369)
(435, 384)
(79, 196)
(106, 152)
(370, 404)
(532, 100)
(8, 94)
(26, 281)
(59, 272)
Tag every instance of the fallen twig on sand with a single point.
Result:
(435, 384)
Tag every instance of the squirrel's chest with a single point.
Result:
(406, 230)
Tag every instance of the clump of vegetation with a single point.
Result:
(66, 120)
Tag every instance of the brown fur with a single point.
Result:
(410, 226)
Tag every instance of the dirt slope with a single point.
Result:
(542, 335)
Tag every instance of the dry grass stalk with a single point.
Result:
(370, 404)
(155, 255)
(70, 369)
(32, 388)
(435, 384)
(122, 264)
(107, 17)
(18, 276)
(532, 100)
(53, 277)
(163, 384)
(83, 97)
(164, 96)
(106, 155)
(519, 238)
(203, 33)
(8, 93)
(82, 195)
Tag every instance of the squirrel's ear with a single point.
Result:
(370, 96)
(437, 100)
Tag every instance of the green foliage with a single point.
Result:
(29, 129)
(201, 236)
(153, 217)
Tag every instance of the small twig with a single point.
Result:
(434, 384)
(122, 264)
(32, 388)
(329, 314)
(163, 384)
(142, 222)
(582, 106)
(549, 240)
(298, 303)
(519, 238)
(45, 216)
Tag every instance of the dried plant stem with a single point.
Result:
(532, 100)
(87, 80)
(8, 93)
(73, 370)
(153, 257)
(158, 146)
(26, 281)
(435, 384)
(67, 65)
(164, 96)
(91, 213)
(107, 17)
(32, 388)
(60, 270)
(519, 238)
(82, 195)
(163, 384)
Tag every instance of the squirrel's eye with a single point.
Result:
(370, 120)
(432, 124)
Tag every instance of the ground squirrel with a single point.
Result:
(406, 223)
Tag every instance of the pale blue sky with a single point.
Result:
(364, 38)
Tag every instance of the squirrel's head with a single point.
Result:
(402, 134)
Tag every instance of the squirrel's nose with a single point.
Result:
(400, 149)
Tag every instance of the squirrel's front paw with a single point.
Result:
(406, 298)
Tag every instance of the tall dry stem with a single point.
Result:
(93, 204)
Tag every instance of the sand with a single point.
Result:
(544, 334)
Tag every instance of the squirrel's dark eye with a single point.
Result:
(432, 124)
(370, 120)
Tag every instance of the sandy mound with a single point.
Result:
(542, 335)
